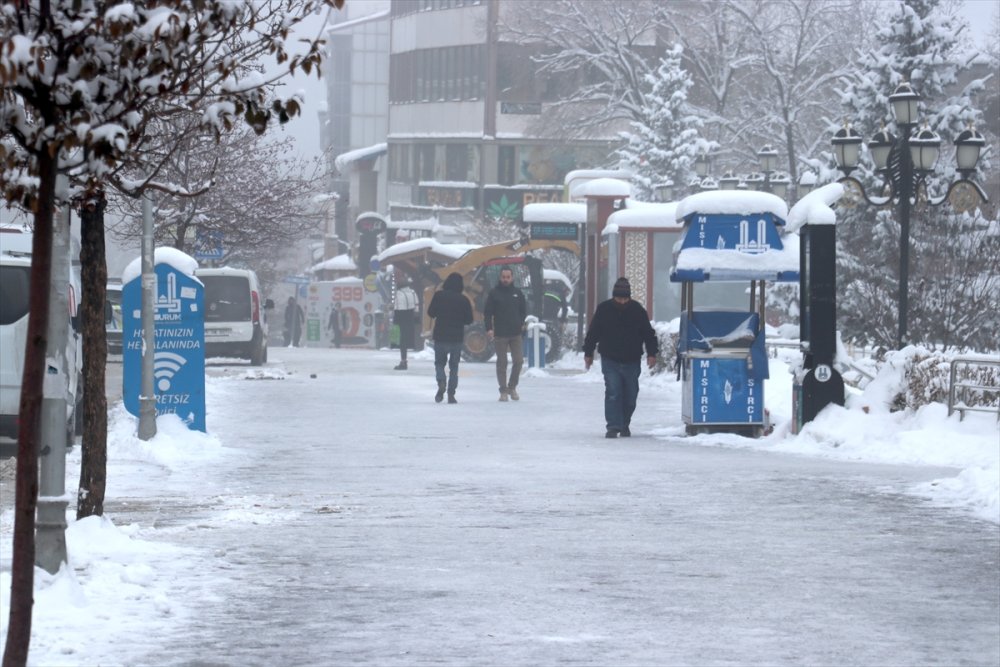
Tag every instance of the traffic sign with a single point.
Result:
(208, 245)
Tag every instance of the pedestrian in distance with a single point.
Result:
(335, 324)
(618, 330)
(294, 319)
(503, 317)
(452, 312)
(404, 314)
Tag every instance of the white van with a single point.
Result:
(15, 274)
(235, 315)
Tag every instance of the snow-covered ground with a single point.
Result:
(140, 576)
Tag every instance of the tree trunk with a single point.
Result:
(94, 275)
(22, 566)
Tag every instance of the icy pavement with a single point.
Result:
(348, 519)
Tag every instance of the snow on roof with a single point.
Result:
(591, 174)
(552, 274)
(181, 261)
(549, 212)
(338, 263)
(733, 265)
(815, 207)
(337, 27)
(344, 160)
(602, 187)
(734, 202)
(646, 216)
(454, 250)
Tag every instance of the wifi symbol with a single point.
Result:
(165, 366)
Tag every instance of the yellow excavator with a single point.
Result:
(428, 263)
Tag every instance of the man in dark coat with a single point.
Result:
(503, 317)
(451, 311)
(294, 319)
(618, 330)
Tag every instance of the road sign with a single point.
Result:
(208, 245)
(296, 280)
(179, 355)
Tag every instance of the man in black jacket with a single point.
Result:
(451, 312)
(618, 330)
(503, 318)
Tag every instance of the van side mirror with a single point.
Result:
(268, 304)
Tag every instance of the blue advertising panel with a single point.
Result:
(179, 357)
(748, 234)
(724, 392)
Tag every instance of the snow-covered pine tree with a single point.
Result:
(663, 145)
(918, 43)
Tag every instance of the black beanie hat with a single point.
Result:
(622, 288)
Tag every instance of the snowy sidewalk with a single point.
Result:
(347, 518)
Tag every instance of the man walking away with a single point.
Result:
(451, 311)
(618, 330)
(503, 318)
(294, 319)
(334, 325)
(404, 315)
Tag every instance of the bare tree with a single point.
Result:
(249, 192)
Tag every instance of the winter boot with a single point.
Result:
(451, 398)
(513, 395)
(503, 396)
(401, 366)
(439, 396)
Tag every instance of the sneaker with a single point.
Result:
(439, 396)
(626, 433)
(514, 396)
(612, 433)
(503, 396)
(452, 399)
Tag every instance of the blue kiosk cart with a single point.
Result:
(732, 247)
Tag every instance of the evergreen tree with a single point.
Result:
(918, 44)
(663, 145)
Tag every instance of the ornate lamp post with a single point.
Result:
(904, 163)
(664, 191)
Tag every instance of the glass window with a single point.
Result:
(227, 298)
(13, 293)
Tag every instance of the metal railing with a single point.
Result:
(959, 392)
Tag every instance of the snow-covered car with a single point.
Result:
(15, 281)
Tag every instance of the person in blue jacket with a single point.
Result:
(618, 329)
(451, 311)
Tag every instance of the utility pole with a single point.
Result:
(147, 397)
(50, 535)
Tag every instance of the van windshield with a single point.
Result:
(13, 293)
(227, 298)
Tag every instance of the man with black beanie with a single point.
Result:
(618, 329)
(503, 317)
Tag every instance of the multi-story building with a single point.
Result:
(354, 121)
(462, 138)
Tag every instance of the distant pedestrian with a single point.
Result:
(618, 330)
(294, 319)
(335, 325)
(503, 317)
(451, 311)
(404, 315)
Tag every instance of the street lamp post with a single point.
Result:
(904, 163)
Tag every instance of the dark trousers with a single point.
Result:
(447, 354)
(621, 389)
